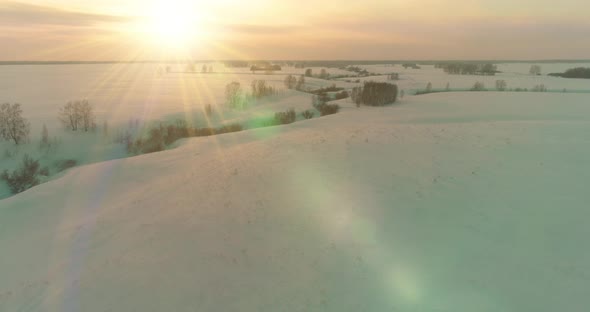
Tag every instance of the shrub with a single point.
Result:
(161, 136)
(327, 109)
(24, 177)
(468, 68)
(261, 89)
(233, 95)
(307, 114)
(65, 164)
(394, 76)
(478, 86)
(235, 127)
(539, 88)
(44, 171)
(377, 93)
(208, 110)
(44, 144)
(285, 117)
(331, 88)
(341, 95)
(355, 95)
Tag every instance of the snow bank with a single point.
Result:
(447, 202)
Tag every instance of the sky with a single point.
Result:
(124, 30)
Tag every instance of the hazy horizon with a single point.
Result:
(83, 30)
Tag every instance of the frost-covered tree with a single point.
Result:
(13, 126)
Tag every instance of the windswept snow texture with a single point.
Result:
(447, 202)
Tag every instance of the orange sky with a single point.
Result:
(289, 29)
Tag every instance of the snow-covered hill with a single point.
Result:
(446, 202)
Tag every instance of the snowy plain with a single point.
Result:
(460, 201)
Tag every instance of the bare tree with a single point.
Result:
(290, 82)
(77, 115)
(233, 93)
(44, 137)
(105, 128)
(535, 70)
(87, 114)
(190, 67)
(501, 85)
(13, 126)
(300, 83)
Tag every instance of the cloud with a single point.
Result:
(22, 14)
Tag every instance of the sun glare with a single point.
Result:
(174, 24)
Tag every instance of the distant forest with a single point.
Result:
(578, 72)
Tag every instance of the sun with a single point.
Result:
(173, 24)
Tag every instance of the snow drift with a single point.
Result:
(447, 202)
